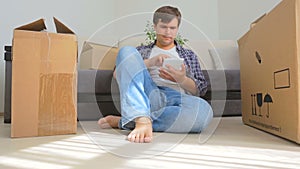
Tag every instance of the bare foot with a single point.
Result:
(109, 122)
(142, 132)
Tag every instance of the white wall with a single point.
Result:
(235, 16)
(130, 20)
(217, 19)
(203, 14)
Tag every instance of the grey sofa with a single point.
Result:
(98, 93)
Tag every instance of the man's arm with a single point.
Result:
(189, 85)
(179, 76)
(195, 73)
(193, 81)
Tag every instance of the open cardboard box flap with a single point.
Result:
(98, 56)
(39, 25)
(257, 20)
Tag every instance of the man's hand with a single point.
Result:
(155, 61)
(172, 74)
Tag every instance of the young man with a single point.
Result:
(156, 98)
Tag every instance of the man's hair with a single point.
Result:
(165, 14)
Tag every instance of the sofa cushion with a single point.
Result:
(104, 83)
(225, 58)
(95, 81)
(220, 80)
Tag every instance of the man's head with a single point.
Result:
(166, 22)
(165, 14)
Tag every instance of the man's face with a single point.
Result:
(166, 32)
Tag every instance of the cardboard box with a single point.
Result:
(269, 58)
(44, 80)
(98, 56)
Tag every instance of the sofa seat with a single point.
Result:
(98, 93)
(224, 93)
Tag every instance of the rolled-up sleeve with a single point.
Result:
(194, 71)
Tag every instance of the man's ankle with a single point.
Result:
(143, 120)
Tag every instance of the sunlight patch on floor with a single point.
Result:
(20, 162)
(210, 156)
(61, 154)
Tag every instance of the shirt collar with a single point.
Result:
(178, 47)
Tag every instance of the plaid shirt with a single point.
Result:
(193, 69)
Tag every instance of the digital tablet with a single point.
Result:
(174, 62)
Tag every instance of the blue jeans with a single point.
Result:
(169, 110)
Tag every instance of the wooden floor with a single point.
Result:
(232, 145)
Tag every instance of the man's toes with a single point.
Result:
(131, 137)
(100, 121)
(148, 139)
(141, 138)
(137, 138)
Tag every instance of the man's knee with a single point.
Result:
(126, 52)
(206, 114)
